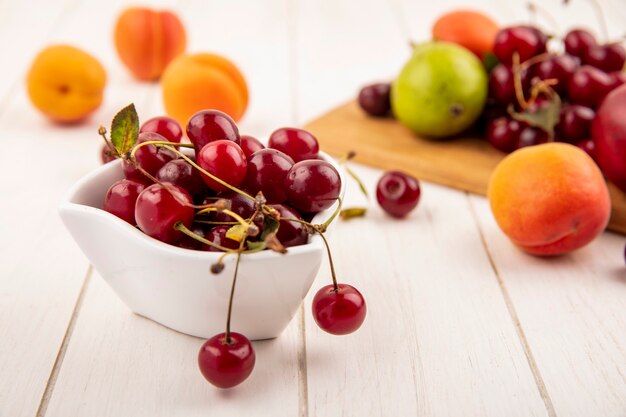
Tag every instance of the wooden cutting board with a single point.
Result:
(464, 163)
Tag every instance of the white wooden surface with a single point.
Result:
(460, 323)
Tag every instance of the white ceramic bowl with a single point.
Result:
(173, 286)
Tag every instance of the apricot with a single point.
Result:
(471, 29)
(65, 83)
(148, 40)
(203, 81)
(549, 199)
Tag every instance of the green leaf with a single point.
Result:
(256, 246)
(236, 233)
(490, 61)
(545, 118)
(125, 129)
(270, 226)
(352, 212)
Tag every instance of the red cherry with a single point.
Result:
(149, 157)
(267, 170)
(224, 364)
(560, 68)
(574, 123)
(290, 233)
(530, 136)
(374, 99)
(164, 126)
(578, 41)
(217, 235)
(187, 242)
(121, 197)
(339, 311)
(211, 125)
(106, 155)
(299, 144)
(158, 210)
(503, 133)
(312, 186)
(239, 204)
(619, 78)
(589, 146)
(180, 172)
(608, 58)
(225, 160)
(398, 193)
(527, 41)
(589, 85)
(250, 145)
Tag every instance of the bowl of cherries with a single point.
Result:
(175, 227)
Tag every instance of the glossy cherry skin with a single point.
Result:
(608, 58)
(503, 133)
(299, 144)
(589, 85)
(560, 68)
(210, 125)
(180, 172)
(239, 204)
(149, 157)
(527, 41)
(375, 100)
(574, 123)
(589, 146)
(619, 78)
(225, 160)
(578, 41)
(164, 126)
(250, 144)
(341, 311)
(397, 193)
(501, 84)
(106, 155)
(226, 365)
(121, 197)
(530, 136)
(267, 170)
(217, 235)
(187, 242)
(158, 209)
(290, 233)
(312, 186)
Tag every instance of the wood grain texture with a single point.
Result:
(463, 163)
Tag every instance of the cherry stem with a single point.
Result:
(182, 228)
(517, 81)
(330, 260)
(335, 213)
(215, 223)
(230, 300)
(601, 18)
(112, 149)
(208, 174)
(534, 8)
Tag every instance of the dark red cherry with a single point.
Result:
(527, 41)
(121, 197)
(106, 155)
(211, 125)
(589, 85)
(217, 235)
(239, 204)
(187, 242)
(339, 311)
(578, 41)
(397, 193)
(250, 144)
(290, 233)
(180, 172)
(503, 133)
(164, 126)
(530, 136)
(574, 123)
(299, 144)
(619, 78)
(150, 157)
(589, 146)
(267, 170)
(312, 186)
(159, 209)
(608, 58)
(375, 100)
(502, 84)
(225, 160)
(224, 364)
(560, 68)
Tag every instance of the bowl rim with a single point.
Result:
(67, 205)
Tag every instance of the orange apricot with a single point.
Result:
(470, 29)
(549, 199)
(147, 40)
(203, 81)
(65, 83)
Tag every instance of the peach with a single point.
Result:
(66, 83)
(549, 199)
(147, 40)
(203, 81)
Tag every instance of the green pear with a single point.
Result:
(441, 90)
